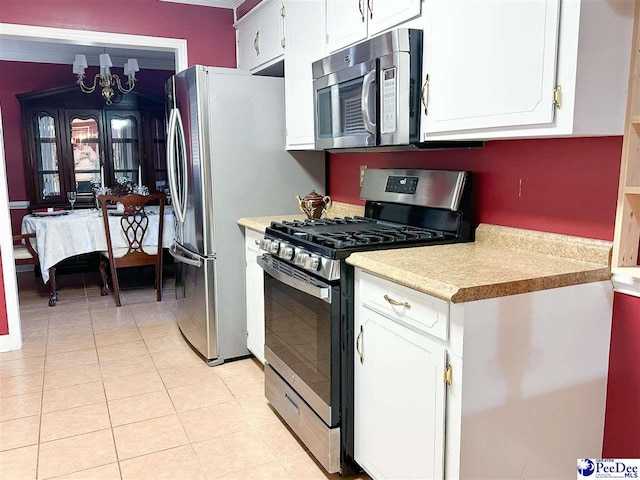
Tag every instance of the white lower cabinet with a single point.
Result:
(254, 288)
(509, 387)
(399, 400)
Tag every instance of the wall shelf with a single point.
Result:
(626, 242)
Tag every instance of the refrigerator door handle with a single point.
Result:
(178, 196)
(196, 262)
(185, 176)
(171, 155)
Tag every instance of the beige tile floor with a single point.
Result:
(100, 392)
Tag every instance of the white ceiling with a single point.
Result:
(63, 53)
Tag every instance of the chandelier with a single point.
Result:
(105, 78)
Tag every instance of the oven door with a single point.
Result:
(302, 335)
(345, 107)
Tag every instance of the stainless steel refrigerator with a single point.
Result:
(226, 159)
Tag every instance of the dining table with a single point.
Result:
(64, 234)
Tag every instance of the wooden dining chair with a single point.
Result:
(25, 254)
(133, 223)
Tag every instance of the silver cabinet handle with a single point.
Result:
(361, 8)
(257, 242)
(425, 95)
(396, 303)
(370, 5)
(256, 43)
(358, 340)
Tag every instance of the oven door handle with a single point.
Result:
(321, 293)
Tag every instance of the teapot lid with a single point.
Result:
(313, 195)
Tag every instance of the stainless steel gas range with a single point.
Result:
(309, 341)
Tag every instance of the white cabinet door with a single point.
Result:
(491, 63)
(254, 288)
(384, 14)
(399, 401)
(304, 43)
(346, 23)
(248, 45)
(260, 36)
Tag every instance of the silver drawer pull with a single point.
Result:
(396, 303)
(257, 242)
(292, 403)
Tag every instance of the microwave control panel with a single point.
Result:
(388, 100)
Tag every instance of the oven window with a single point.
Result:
(339, 109)
(298, 331)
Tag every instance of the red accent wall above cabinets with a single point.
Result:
(555, 185)
(622, 421)
(245, 7)
(209, 31)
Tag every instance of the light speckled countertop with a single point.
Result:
(259, 224)
(502, 261)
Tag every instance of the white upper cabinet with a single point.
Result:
(384, 14)
(304, 44)
(350, 21)
(346, 23)
(260, 36)
(515, 69)
(490, 63)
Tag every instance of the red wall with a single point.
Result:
(245, 6)
(565, 186)
(622, 423)
(209, 31)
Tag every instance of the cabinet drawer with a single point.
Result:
(322, 441)
(423, 312)
(251, 242)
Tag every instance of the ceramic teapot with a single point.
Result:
(314, 205)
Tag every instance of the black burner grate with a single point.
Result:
(353, 232)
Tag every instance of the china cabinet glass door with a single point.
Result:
(124, 143)
(157, 150)
(86, 146)
(85, 142)
(48, 179)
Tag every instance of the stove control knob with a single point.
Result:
(312, 263)
(286, 253)
(274, 247)
(264, 244)
(300, 259)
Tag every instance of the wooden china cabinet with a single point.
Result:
(71, 139)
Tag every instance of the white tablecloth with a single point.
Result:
(82, 231)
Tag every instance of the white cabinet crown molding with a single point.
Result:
(230, 4)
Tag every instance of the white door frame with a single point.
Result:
(13, 340)
(177, 46)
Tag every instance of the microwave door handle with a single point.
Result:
(369, 125)
(321, 293)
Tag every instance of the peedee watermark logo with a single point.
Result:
(608, 468)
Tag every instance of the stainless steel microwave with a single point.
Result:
(368, 95)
